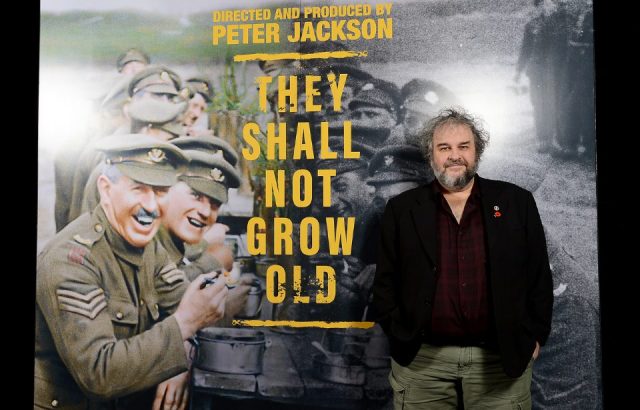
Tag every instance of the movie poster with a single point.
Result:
(323, 103)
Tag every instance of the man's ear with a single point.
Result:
(104, 188)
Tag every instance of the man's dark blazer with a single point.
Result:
(520, 280)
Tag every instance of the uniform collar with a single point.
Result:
(120, 247)
(172, 244)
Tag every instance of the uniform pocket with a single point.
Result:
(124, 317)
(398, 392)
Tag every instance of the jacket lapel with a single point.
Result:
(493, 218)
(424, 218)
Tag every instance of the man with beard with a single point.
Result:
(462, 288)
(114, 315)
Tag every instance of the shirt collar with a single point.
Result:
(123, 249)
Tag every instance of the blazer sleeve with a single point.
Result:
(540, 282)
(384, 293)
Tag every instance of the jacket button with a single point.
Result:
(156, 306)
(141, 302)
(426, 302)
(54, 403)
(119, 315)
(98, 228)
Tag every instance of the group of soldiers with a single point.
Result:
(123, 286)
(557, 56)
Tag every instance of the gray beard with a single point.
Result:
(455, 183)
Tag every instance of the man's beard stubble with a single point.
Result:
(455, 183)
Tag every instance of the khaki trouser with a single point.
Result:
(445, 377)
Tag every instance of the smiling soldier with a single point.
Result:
(113, 312)
(191, 207)
(190, 210)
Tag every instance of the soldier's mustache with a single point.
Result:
(146, 216)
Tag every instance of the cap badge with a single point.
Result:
(164, 76)
(156, 155)
(217, 175)
(184, 93)
(431, 97)
(388, 160)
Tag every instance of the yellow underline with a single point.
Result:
(295, 323)
(299, 56)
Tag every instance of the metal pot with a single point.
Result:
(263, 264)
(338, 368)
(338, 339)
(247, 264)
(227, 350)
(254, 301)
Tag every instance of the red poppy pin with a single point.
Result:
(496, 213)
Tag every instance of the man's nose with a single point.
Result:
(454, 154)
(204, 208)
(149, 201)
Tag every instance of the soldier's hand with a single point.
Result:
(201, 307)
(172, 394)
(237, 297)
(216, 233)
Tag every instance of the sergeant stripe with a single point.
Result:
(90, 314)
(79, 304)
(76, 295)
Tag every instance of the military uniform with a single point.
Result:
(379, 94)
(152, 112)
(158, 80)
(200, 86)
(391, 165)
(421, 101)
(104, 337)
(132, 54)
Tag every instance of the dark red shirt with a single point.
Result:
(461, 306)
